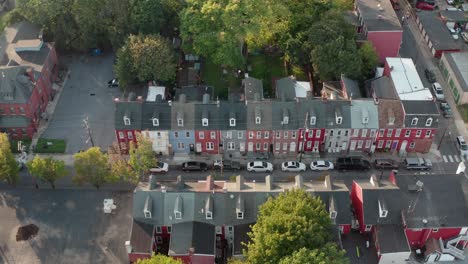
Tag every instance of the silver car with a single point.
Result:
(321, 165)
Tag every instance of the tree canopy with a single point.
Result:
(9, 170)
(92, 166)
(287, 223)
(142, 157)
(47, 169)
(327, 254)
(159, 259)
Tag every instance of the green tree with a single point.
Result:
(327, 254)
(124, 67)
(92, 166)
(47, 169)
(369, 59)
(9, 170)
(159, 259)
(287, 223)
(121, 169)
(142, 157)
(146, 16)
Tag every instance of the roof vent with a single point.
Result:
(424, 221)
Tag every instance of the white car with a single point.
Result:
(462, 146)
(260, 166)
(161, 167)
(293, 166)
(439, 93)
(321, 165)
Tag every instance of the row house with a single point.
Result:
(312, 129)
(233, 126)
(285, 121)
(198, 221)
(156, 125)
(29, 70)
(182, 134)
(128, 121)
(207, 126)
(364, 124)
(338, 124)
(410, 213)
(259, 126)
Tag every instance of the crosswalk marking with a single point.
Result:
(450, 158)
(445, 158)
(456, 158)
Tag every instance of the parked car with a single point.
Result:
(352, 163)
(454, 33)
(430, 2)
(194, 166)
(430, 75)
(465, 36)
(113, 83)
(293, 166)
(383, 164)
(161, 167)
(446, 109)
(260, 166)
(321, 165)
(438, 91)
(462, 146)
(418, 164)
(227, 165)
(425, 6)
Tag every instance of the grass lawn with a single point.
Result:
(463, 110)
(266, 68)
(57, 146)
(14, 144)
(212, 75)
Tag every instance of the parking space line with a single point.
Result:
(445, 158)
(456, 158)
(450, 158)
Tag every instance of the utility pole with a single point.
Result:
(88, 129)
(304, 132)
(442, 138)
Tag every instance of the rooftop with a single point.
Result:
(364, 114)
(406, 80)
(194, 93)
(154, 92)
(378, 15)
(15, 85)
(383, 88)
(392, 239)
(192, 238)
(288, 88)
(459, 63)
(252, 88)
(420, 107)
(141, 237)
(437, 31)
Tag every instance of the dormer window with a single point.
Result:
(429, 121)
(313, 120)
(155, 122)
(232, 122)
(338, 117)
(180, 122)
(178, 207)
(365, 116)
(285, 116)
(391, 117)
(258, 120)
(147, 214)
(414, 121)
(148, 207)
(209, 208)
(126, 121)
(258, 116)
(178, 215)
(205, 122)
(240, 215)
(383, 212)
(240, 207)
(209, 215)
(333, 214)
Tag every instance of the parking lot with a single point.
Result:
(72, 226)
(85, 94)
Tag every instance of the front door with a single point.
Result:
(403, 147)
(250, 147)
(394, 144)
(199, 147)
(353, 145)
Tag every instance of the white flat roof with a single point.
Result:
(153, 91)
(406, 80)
(301, 89)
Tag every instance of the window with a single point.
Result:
(364, 132)
(155, 122)
(285, 146)
(333, 214)
(389, 132)
(338, 132)
(229, 134)
(121, 135)
(428, 133)
(158, 229)
(180, 122)
(407, 133)
(355, 132)
(398, 132)
(147, 214)
(258, 146)
(259, 134)
(418, 133)
(231, 229)
(231, 146)
(368, 228)
(176, 134)
(265, 146)
(12, 110)
(219, 231)
(251, 134)
(346, 133)
(23, 131)
(412, 145)
(429, 121)
(127, 121)
(382, 132)
(311, 133)
(339, 120)
(278, 134)
(293, 135)
(209, 215)
(309, 144)
(313, 120)
(180, 145)
(201, 135)
(286, 134)
(209, 146)
(360, 143)
(318, 133)
(266, 134)
(178, 215)
(169, 229)
(277, 146)
(372, 133)
(285, 120)
(435, 230)
(240, 215)
(331, 133)
(213, 135)
(258, 120)
(187, 134)
(232, 122)
(159, 240)
(368, 143)
(130, 135)
(380, 145)
(205, 122)
(414, 121)
(21, 110)
(388, 144)
(239, 135)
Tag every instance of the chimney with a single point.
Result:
(209, 183)
(239, 182)
(374, 181)
(269, 182)
(328, 182)
(139, 99)
(299, 182)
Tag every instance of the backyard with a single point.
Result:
(213, 75)
(266, 68)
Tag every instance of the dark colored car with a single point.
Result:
(425, 6)
(430, 75)
(227, 165)
(113, 83)
(352, 163)
(194, 166)
(385, 164)
(446, 109)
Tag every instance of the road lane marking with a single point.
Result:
(450, 158)
(456, 158)
(445, 158)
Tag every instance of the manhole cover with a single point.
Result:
(92, 94)
(26, 232)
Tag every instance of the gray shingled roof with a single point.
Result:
(196, 235)
(237, 110)
(280, 110)
(286, 89)
(361, 108)
(315, 108)
(211, 111)
(352, 87)
(141, 237)
(183, 110)
(151, 110)
(15, 86)
(264, 110)
(438, 33)
(378, 16)
(422, 110)
(252, 86)
(130, 109)
(194, 93)
(392, 239)
(334, 107)
(383, 88)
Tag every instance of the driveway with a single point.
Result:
(85, 95)
(72, 226)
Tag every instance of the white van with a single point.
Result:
(462, 146)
